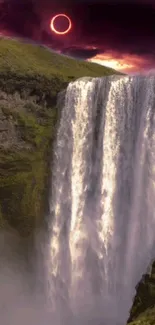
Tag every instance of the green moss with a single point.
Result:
(30, 78)
(146, 318)
(145, 295)
(21, 182)
(24, 173)
(26, 59)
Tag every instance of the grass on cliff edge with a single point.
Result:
(22, 58)
(32, 71)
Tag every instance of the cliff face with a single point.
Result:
(10, 136)
(143, 309)
(26, 132)
(30, 79)
(28, 124)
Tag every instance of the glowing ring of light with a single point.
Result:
(53, 28)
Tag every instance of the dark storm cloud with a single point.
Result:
(122, 27)
(81, 53)
(98, 26)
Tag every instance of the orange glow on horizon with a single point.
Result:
(126, 63)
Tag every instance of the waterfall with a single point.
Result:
(102, 216)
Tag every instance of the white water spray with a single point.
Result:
(102, 208)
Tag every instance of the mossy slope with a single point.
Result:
(22, 58)
(24, 164)
(145, 318)
(30, 79)
(143, 309)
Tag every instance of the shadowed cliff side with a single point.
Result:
(30, 79)
(143, 309)
(26, 132)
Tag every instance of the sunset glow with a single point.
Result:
(124, 63)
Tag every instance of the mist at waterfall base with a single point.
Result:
(22, 281)
(102, 220)
(102, 207)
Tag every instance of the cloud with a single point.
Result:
(99, 27)
(128, 63)
(81, 53)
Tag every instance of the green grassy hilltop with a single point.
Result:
(31, 77)
(22, 58)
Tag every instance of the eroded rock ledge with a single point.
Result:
(27, 130)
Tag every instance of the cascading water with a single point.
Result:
(103, 196)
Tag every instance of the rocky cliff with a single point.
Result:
(30, 79)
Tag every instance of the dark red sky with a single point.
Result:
(116, 33)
